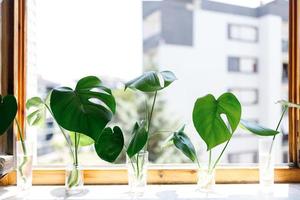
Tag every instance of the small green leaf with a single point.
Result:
(36, 110)
(83, 141)
(184, 144)
(110, 144)
(288, 104)
(151, 81)
(8, 111)
(138, 140)
(257, 129)
(208, 121)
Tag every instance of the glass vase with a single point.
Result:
(206, 179)
(74, 179)
(266, 163)
(24, 165)
(137, 172)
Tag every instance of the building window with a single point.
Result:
(241, 32)
(247, 96)
(239, 64)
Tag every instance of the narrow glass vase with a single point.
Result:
(24, 165)
(266, 163)
(206, 179)
(74, 179)
(137, 172)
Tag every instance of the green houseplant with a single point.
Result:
(8, 111)
(82, 112)
(137, 155)
(266, 145)
(213, 130)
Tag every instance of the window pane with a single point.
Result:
(202, 42)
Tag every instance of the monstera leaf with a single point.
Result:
(87, 109)
(151, 81)
(8, 111)
(184, 144)
(110, 144)
(288, 104)
(257, 129)
(36, 111)
(208, 121)
(138, 140)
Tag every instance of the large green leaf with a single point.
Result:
(110, 144)
(86, 110)
(138, 140)
(184, 144)
(208, 121)
(83, 139)
(257, 129)
(8, 111)
(151, 81)
(36, 110)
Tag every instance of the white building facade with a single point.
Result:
(215, 47)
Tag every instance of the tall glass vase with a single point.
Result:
(266, 163)
(74, 179)
(137, 172)
(206, 179)
(24, 165)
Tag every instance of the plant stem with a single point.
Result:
(21, 137)
(277, 127)
(76, 149)
(151, 112)
(64, 134)
(218, 159)
(209, 160)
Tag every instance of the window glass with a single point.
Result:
(202, 42)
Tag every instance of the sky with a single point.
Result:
(248, 3)
(102, 38)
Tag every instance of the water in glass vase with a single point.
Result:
(266, 164)
(24, 165)
(206, 180)
(74, 180)
(137, 172)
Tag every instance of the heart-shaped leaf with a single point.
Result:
(184, 144)
(110, 144)
(151, 81)
(138, 140)
(208, 121)
(257, 129)
(36, 111)
(86, 110)
(8, 111)
(83, 139)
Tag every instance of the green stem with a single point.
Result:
(151, 112)
(21, 137)
(64, 134)
(209, 160)
(76, 148)
(277, 127)
(218, 159)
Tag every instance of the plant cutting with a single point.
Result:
(8, 111)
(82, 115)
(266, 146)
(137, 154)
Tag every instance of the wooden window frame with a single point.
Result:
(169, 174)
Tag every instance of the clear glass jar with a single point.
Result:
(266, 162)
(74, 179)
(137, 172)
(24, 165)
(206, 179)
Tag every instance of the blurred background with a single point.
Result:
(211, 46)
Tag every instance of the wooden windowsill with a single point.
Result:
(157, 174)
